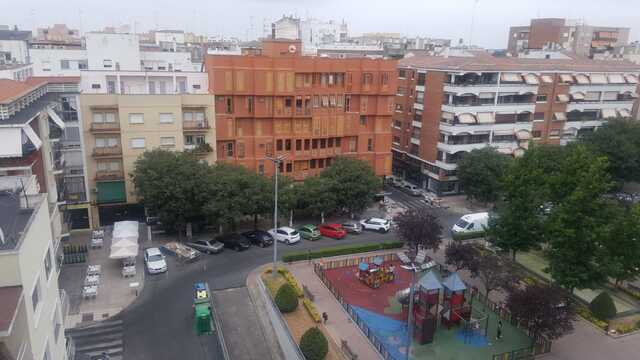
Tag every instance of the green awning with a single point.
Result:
(111, 192)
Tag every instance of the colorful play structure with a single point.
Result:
(376, 273)
(443, 303)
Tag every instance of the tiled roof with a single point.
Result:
(55, 79)
(486, 62)
(11, 90)
(9, 299)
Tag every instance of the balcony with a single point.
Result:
(199, 149)
(105, 127)
(303, 112)
(102, 175)
(195, 126)
(105, 152)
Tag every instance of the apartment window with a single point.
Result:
(182, 86)
(320, 163)
(106, 142)
(397, 124)
(35, 295)
(240, 150)
(363, 120)
(314, 144)
(538, 116)
(353, 145)
(47, 263)
(111, 87)
(64, 64)
(95, 86)
(384, 79)
(167, 118)
(298, 144)
(83, 64)
(196, 86)
(419, 97)
(323, 143)
(338, 141)
(316, 101)
(422, 78)
(287, 145)
(347, 103)
(136, 118)
(152, 87)
(330, 142)
(325, 101)
(402, 73)
(367, 79)
(168, 141)
(107, 63)
(229, 149)
(537, 134)
(261, 168)
(229, 105)
(312, 163)
(307, 144)
(541, 98)
(289, 167)
(287, 102)
(396, 140)
(369, 144)
(250, 105)
(163, 87)
(279, 145)
(137, 143)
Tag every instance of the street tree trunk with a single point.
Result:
(322, 217)
(290, 218)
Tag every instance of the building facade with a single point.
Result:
(448, 106)
(562, 34)
(308, 108)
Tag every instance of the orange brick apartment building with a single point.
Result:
(311, 109)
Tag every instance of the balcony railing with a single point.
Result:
(195, 125)
(303, 112)
(107, 151)
(200, 149)
(109, 175)
(105, 126)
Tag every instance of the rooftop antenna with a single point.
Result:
(473, 22)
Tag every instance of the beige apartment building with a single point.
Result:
(117, 129)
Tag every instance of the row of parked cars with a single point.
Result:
(404, 186)
(288, 235)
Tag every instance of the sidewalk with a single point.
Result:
(340, 325)
(114, 291)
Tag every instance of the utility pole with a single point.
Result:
(276, 163)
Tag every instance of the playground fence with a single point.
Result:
(541, 345)
(319, 269)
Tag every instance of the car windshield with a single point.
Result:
(156, 257)
(462, 224)
(294, 233)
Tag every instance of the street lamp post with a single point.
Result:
(276, 163)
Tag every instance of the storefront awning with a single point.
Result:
(467, 118)
(510, 77)
(523, 135)
(502, 132)
(10, 142)
(55, 118)
(563, 98)
(608, 113)
(487, 95)
(616, 79)
(560, 116)
(578, 96)
(485, 118)
(33, 137)
(566, 78)
(631, 79)
(582, 79)
(598, 79)
(111, 192)
(547, 79)
(624, 113)
(447, 115)
(531, 79)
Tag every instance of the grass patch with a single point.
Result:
(342, 250)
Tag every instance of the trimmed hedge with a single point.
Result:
(286, 298)
(587, 315)
(603, 307)
(311, 309)
(467, 235)
(342, 250)
(314, 344)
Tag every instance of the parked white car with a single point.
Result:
(285, 234)
(376, 224)
(154, 260)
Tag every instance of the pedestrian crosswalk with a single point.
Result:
(94, 341)
(406, 201)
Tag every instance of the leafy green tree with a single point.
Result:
(622, 248)
(314, 344)
(352, 182)
(480, 173)
(619, 141)
(316, 197)
(520, 214)
(493, 271)
(461, 255)
(286, 298)
(419, 228)
(576, 228)
(603, 307)
(172, 185)
(231, 191)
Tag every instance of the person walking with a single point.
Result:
(499, 332)
(325, 317)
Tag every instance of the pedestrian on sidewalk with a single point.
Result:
(499, 332)
(325, 317)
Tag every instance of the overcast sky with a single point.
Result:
(245, 18)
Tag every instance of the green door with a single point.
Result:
(111, 192)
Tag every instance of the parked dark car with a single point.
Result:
(207, 246)
(234, 241)
(259, 237)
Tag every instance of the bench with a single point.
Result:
(347, 350)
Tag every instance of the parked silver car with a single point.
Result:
(352, 227)
(207, 246)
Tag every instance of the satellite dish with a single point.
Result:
(292, 49)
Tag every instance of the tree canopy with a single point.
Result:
(352, 183)
(419, 227)
(461, 256)
(480, 173)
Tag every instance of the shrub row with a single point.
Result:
(627, 328)
(633, 293)
(467, 235)
(292, 281)
(311, 309)
(587, 315)
(342, 250)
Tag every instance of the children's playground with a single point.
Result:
(450, 320)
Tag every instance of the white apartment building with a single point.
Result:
(312, 32)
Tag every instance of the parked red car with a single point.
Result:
(332, 230)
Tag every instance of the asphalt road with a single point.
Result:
(158, 325)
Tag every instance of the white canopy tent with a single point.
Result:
(125, 229)
(123, 252)
(124, 242)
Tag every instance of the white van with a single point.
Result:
(471, 223)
